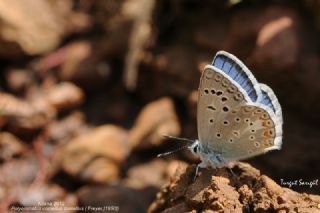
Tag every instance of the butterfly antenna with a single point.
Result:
(179, 139)
(170, 152)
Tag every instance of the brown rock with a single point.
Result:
(19, 114)
(11, 106)
(218, 190)
(41, 33)
(156, 120)
(67, 128)
(64, 96)
(26, 117)
(181, 207)
(83, 63)
(55, 98)
(17, 176)
(154, 174)
(18, 19)
(96, 155)
(27, 166)
(10, 146)
(18, 80)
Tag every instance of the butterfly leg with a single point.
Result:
(200, 165)
(233, 174)
(221, 161)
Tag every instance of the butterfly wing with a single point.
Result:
(217, 95)
(234, 68)
(252, 130)
(234, 108)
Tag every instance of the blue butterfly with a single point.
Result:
(237, 117)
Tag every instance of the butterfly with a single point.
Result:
(237, 117)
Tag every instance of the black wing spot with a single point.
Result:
(225, 109)
(219, 93)
(211, 108)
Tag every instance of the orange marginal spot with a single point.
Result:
(266, 123)
(268, 133)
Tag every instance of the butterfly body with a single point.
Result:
(237, 117)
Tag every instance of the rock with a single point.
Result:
(10, 146)
(156, 119)
(27, 166)
(67, 128)
(27, 116)
(19, 115)
(41, 33)
(16, 176)
(81, 62)
(97, 155)
(64, 96)
(218, 190)
(19, 80)
(84, 64)
(152, 174)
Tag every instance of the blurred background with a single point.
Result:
(89, 88)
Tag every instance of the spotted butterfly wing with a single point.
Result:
(227, 91)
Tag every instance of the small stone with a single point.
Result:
(97, 155)
(156, 120)
(10, 146)
(64, 96)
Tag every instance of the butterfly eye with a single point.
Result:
(195, 149)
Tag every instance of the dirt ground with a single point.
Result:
(89, 88)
